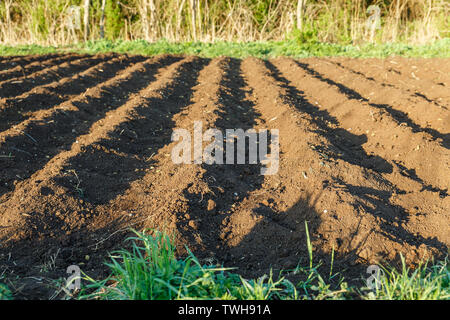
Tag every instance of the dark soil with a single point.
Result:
(85, 144)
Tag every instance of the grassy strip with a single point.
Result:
(151, 271)
(424, 283)
(267, 49)
(25, 50)
(5, 293)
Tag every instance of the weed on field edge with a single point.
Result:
(151, 271)
(263, 49)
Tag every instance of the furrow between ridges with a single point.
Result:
(36, 66)
(29, 104)
(416, 113)
(33, 142)
(382, 74)
(13, 61)
(18, 86)
(328, 193)
(378, 133)
(40, 183)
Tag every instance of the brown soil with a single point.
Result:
(85, 145)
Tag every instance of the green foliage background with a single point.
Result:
(334, 21)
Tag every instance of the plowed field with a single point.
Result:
(85, 144)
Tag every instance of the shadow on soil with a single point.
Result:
(347, 146)
(115, 162)
(236, 181)
(36, 269)
(33, 149)
(277, 241)
(398, 115)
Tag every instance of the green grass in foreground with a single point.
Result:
(5, 293)
(266, 49)
(151, 271)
